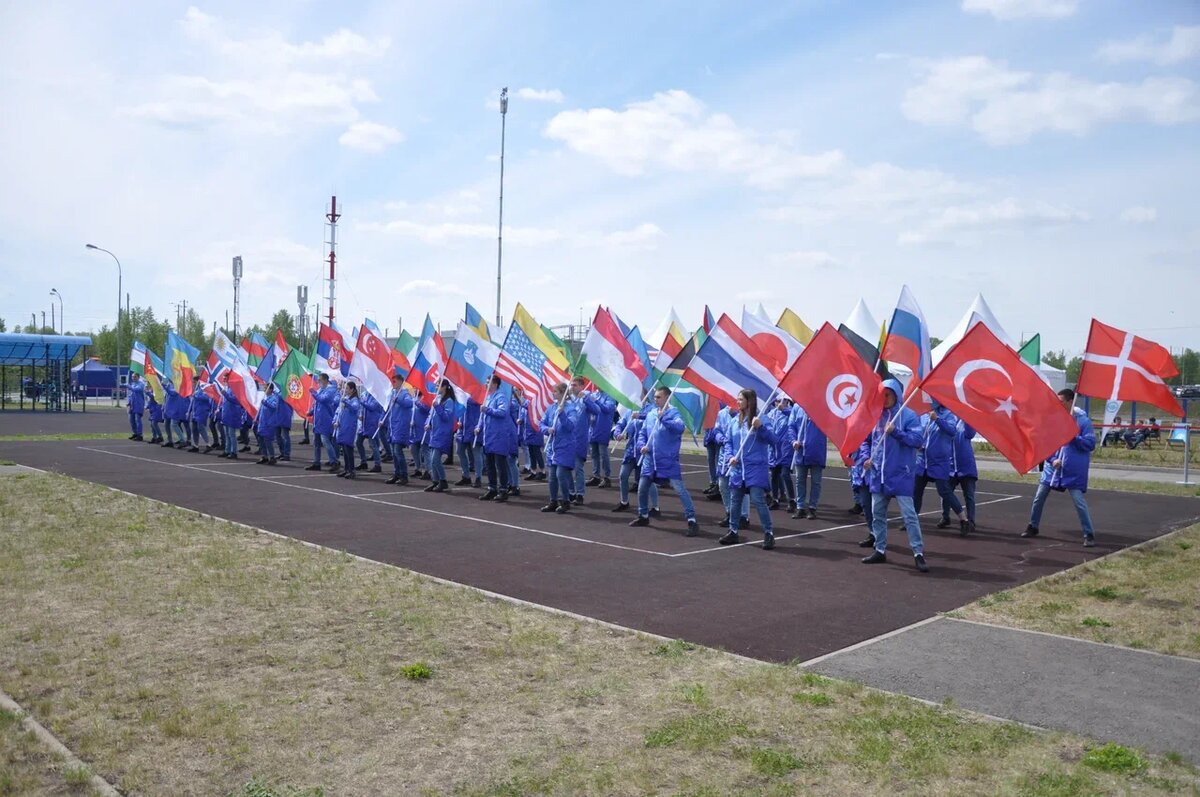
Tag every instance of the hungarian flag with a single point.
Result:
(1120, 365)
(837, 388)
(294, 381)
(612, 364)
(989, 386)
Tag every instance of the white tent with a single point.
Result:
(980, 313)
(862, 323)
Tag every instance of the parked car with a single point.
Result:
(1188, 391)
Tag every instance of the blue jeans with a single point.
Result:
(326, 440)
(268, 445)
(758, 497)
(879, 522)
(514, 470)
(714, 453)
(560, 482)
(362, 453)
(945, 491)
(231, 445)
(433, 463)
(803, 474)
(727, 498)
(399, 461)
(135, 423)
(644, 485)
(418, 452)
(601, 461)
(466, 457)
(579, 477)
(155, 430)
(537, 462)
(1081, 509)
(199, 432)
(968, 488)
(623, 483)
(862, 497)
(284, 438)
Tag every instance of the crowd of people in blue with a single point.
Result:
(769, 457)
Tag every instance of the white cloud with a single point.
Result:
(270, 48)
(370, 137)
(444, 233)
(674, 131)
(990, 217)
(1018, 9)
(1183, 44)
(643, 235)
(424, 287)
(805, 259)
(540, 95)
(542, 281)
(1008, 107)
(1139, 215)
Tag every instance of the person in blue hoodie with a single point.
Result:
(514, 457)
(559, 425)
(941, 425)
(268, 418)
(534, 438)
(283, 429)
(809, 457)
(465, 438)
(420, 417)
(725, 419)
(498, 431)
(712, 450)
(1067, 471)
(576, 405)
(345, 427)
(964, 474)
(749, 467)
(600, 408)
(860, 486)
(201, 408)
(175, 411)
(231, 419)
(372, 411)
(441, 436)
(627, 428)
(135, 399)
(324, 406)
(214, 421)
(398, 421)
(155, 412)
(778, 418)
(658, 443)
(891, 471)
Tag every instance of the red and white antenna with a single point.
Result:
(331, 220)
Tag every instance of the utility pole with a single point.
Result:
(500, 228)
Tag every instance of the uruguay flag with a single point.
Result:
(729, 361)
(907, 342)
(472, 360)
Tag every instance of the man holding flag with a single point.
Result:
(1067, 471)
(135, 399)
(891, 472)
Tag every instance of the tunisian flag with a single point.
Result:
(990, 387)
(1120, 365)
(837, 388)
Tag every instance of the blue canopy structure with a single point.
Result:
(19, 349)
(37, 369)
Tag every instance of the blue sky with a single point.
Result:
(802, 154)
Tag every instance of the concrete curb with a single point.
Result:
(50, 740)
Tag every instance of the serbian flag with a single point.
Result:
(429, 364)
(294, 381)
(729, 361)
(471, 362)
(779, 346)
(907, 343)
(989, 386)
(241, 379)
(372, 363)
(330, 356)
(279, 349)
(837, 388)
(1120, 365)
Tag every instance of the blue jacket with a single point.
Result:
(964, 452)
(939, 444)
(1076, 456)
(284, 415)
(176, 405)
(347, 421)
(514, 409)
(268, 414)
(725, 420)
(894, 456)
(420, 416)
(399, 417)
(325, 404)
(156, 410)
(858, 475)
(778, 422)
(470, 420)
(499, 429)
(629, 425)
(372, 411)
(560, 437)
(202, 406)
(600, 407)
(579, 416)
(662, 433)
(812, 452)
(136, 397)
(231, 410)
(752, 468)
(530, 436)
(441, 425)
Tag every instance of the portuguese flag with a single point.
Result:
(294, 381)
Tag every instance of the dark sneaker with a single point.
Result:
(272, 460)
(392, 480)
(730, 538)
(592, 482)
(563, 507)
(313, 467)
(361, 466)
(743, 524)
(262, 461)
(620, 508)
(920, 561)
(577, 500)
(768, 542)
(500, 498)
(1030, 531)
(377, 469)
(964, 528)
(488, 496)
(430, 488)
(463, 482)
(514, 491)
(773, 505)
(1089, 542)
(655, 513)
(799, 515)
(869, 542)
(723, 522)
(640, 521)
(550, 507)
(441, 487)
(944, 523)
(791, 506)
(606, 483)
(477, 483)
(856, 509)
(693, 528)
(812, 513)
(875, 558)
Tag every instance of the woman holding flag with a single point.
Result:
(399, 429)
(345, 428)
(560, 450)
(440, 429)
(749, 469)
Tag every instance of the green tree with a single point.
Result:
(934, 342)
(193, 330)
(3, 326)
(1058, 359)
(1188, 363)
(1073, 368)
(285, 322)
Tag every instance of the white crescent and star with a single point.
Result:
(841, 394)
(971, 366)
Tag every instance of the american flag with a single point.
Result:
(522, 363)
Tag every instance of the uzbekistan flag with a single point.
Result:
(907, 343)
(611, 363)
(729, 361)
(181, 362)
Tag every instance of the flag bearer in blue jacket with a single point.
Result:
(135, 398)
(778, 418)
(601, 409)
(658, 443)
(1067, 471)
(441, 436)
(576, 405)
(231, 418)
(398, 421)
(465, 438)
(201, 408)
(534, 438)
(891, 470)
(725, 419)
(155, 411)
(420, 417)
(498, 431)
(283, 429)
(941, 426)
(345, 427)
(265, 424)
(628, 427)
(749, 471)
(175, 411)
(372, 411)
(964, 474)
(808, 462)
(514, 467)
(325, 404)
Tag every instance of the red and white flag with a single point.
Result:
(837, 388)
(1120, 365)
(371, 365)
(989, 386)
(775, 343)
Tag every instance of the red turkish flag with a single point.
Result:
(990, 387)
(1120, 365)
(837, 388)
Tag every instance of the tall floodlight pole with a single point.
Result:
(500, 229)
(120, 290)
(302, 317)
(61, 323)
(237, 295)
(331, 219)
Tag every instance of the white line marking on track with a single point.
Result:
(407, 508)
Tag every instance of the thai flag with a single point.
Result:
(907, 343)
(429, 365)
(729, 361)
(274, 357)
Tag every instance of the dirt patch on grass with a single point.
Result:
(1145, 597)
(179, 655)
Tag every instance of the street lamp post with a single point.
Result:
(62, 323)
(500, 229)
(119, 292)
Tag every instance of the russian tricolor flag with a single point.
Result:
(907, 342)
(728, 362)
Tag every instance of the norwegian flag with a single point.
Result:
(1120, 365)
(210, 376)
